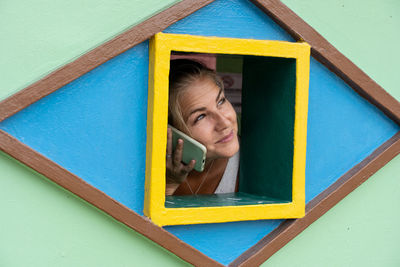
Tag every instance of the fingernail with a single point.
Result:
(180, 141)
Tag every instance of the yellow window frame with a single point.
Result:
(161, 46)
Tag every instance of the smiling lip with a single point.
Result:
(226, 138)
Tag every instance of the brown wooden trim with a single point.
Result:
(328, 55)
(98, 56)
(97, 198)
(317, 207)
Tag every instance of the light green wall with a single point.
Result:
(366, 31)
(47, 226)
(44, 225)
(362, 230)
(39, 36)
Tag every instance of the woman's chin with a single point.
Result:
(233, 148)
(234, 151)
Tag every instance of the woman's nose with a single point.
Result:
(222, 121)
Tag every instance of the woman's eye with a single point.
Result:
(221, 101)
(200, 117)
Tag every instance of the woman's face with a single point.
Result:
(210, 118)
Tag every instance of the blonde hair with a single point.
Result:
(183, 73)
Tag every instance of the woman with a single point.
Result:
(198, 107)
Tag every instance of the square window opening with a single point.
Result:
(262, 91)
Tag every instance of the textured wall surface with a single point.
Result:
(362, 229)
(42, 224)
(45, 225)
(39, 36)
(364, 31)
(38, 206)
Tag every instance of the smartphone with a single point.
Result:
(192, 149)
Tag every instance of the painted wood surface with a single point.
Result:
(356, 100)
(32, 45)
(330, 98)
(268, 116)
(231, 18)
(95, 57)
(42, 224)
(364, 31)
(99, 121)
(361, 230)
(218, 200)
(296, 95)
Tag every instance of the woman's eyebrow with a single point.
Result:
(197, 110)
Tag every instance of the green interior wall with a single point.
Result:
(266, 150)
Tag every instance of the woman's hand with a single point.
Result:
(177, 172)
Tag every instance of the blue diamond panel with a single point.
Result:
(96, 126)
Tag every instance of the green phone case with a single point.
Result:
(192, 149)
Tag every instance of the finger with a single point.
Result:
(178, 153)
(188, 168)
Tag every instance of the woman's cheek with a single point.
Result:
(197, 133)
(203, 134)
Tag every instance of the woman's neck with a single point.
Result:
(208, 163)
